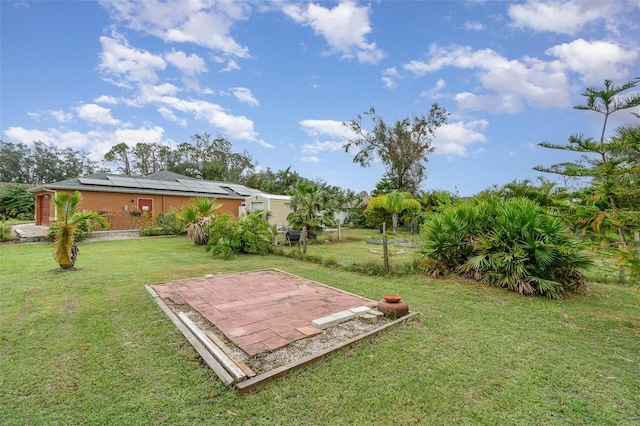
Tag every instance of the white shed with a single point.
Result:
(277, 205)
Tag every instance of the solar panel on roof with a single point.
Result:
(214, 188)
(126, 182)
(88, 181)
(152, 184)
(239, 189)
(191, 184)
(177, 186)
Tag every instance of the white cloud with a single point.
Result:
(96, 114)
(231, 66)
(326, 146)
(309, 159)
(244, 95)
(61, 116)
(128, 64)
(26, 136)
(190, 65)
(58, 115)
(515, 82)
(595, 60)
(564, 17)
(389, 77)
(205, 23)
(473, 26)
(327, 127)
(105, 99)
(434, 92)
(168, 114)
(344, 27)
(237, 127)
(149, 93)
(455, 138)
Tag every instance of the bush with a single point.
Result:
(168, 222)
(83, 228)
(5, 230)
(250, 235)
(16, 202)
(511, 244)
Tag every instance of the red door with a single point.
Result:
(145, 205)
(44, 202)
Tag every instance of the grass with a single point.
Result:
(347, 252)
(91, 347)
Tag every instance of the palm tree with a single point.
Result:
(311, 207)
(196, 216)
(70, 221)
(395, 203)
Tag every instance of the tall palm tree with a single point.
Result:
(70, 220)
(395, 203)
(196, 216)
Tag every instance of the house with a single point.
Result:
(276, 205)
(128, 201)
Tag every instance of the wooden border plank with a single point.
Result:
(217, 353)
(254, 382)
(199, 347)
(219, 343)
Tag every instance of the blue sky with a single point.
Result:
(277, 79)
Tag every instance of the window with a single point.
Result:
(257, 207)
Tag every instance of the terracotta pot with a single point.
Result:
(392, 298)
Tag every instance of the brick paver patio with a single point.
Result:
(260, 310)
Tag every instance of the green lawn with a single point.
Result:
(92, 347)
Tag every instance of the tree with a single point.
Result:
(16, 202)
(212, 159)
(65, 248)
(16, 163)
(42, 163)
(600, 161)
(395, 203)
(545, 194)
(311, 207)
(403, 147)
(120, 154)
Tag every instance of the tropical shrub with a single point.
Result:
(196, 217)
(168, 223)
(228, 236)
(448, 236)
(512, 244)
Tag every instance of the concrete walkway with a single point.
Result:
(31, 233)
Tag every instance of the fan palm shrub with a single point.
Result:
(196, 216)
(512, 244)
(70, 222)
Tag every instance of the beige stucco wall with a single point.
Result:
(279, 208)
